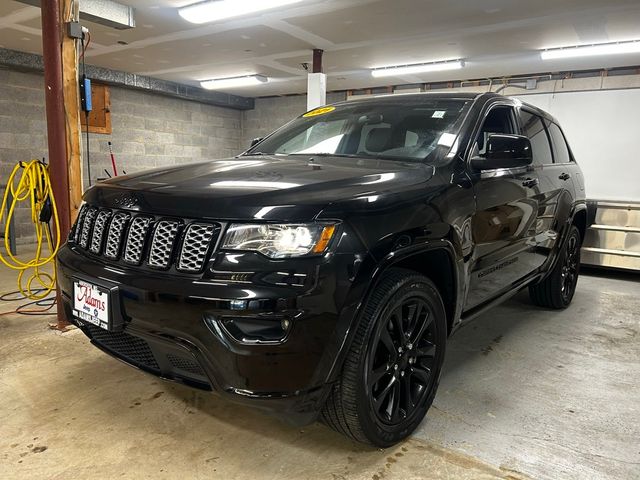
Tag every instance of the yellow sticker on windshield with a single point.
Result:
(319, 111)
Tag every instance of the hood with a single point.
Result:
(286, 188)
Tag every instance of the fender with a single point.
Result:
(551, 262)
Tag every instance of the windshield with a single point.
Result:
(422, 130)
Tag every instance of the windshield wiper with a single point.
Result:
(353, 155)
(345, 155)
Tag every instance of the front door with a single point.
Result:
(504, 225)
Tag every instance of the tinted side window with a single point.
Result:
(533, 127)
(560, 149)
(498, 120)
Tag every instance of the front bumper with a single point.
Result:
(170, 328)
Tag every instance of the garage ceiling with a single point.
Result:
(495, 37)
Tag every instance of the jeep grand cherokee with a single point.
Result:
(319, 274)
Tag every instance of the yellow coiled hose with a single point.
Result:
(30, 182)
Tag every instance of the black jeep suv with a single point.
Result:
(319, 274)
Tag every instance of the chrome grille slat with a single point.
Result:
(102, 219)
(86, 226)
(81, 215)
(114, 237)
(136, 240)
(162, 243)
(195, 246)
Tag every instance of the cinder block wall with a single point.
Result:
(23, 133)
(149, 130)
(273, 112)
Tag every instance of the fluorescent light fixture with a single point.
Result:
(591, 50)
(246, 81)
(214, 10)
(401, 70)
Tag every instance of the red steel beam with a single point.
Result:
(56, 133)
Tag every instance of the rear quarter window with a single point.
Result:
(560, 147)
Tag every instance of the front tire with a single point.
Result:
(557, 290)
(392, 370)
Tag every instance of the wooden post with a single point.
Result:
(63, 116)
(54, 102)
(70, 12)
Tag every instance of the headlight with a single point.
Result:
(279, 241)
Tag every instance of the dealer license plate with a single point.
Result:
(91, 303)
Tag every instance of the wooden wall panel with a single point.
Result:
(100, 116)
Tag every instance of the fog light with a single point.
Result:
(266, 328)
(285, 324)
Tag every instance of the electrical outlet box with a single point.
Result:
(74, 30)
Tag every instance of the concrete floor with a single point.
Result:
(526, 393)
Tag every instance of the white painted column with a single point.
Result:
(316, 90)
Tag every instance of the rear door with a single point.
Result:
(504, 224)
(564, 163)
(553, 167)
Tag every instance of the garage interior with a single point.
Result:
(525, 393)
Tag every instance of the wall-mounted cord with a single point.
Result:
(85, 95)
(88, 150)
(30, 182)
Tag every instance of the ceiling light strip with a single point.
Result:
(212, 11)
(401, 70)
(233, 82)
(591, 50)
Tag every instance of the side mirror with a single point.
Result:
(255, 141)
(504, 151)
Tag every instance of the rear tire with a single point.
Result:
(392, 369)
(557, 290)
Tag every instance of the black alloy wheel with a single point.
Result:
(392, 368)
(401, 364)
(569, 271)
(557, 289)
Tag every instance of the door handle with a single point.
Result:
(530, 182)
(564, 176)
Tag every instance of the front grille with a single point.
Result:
(146, 241)
(133, 349)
